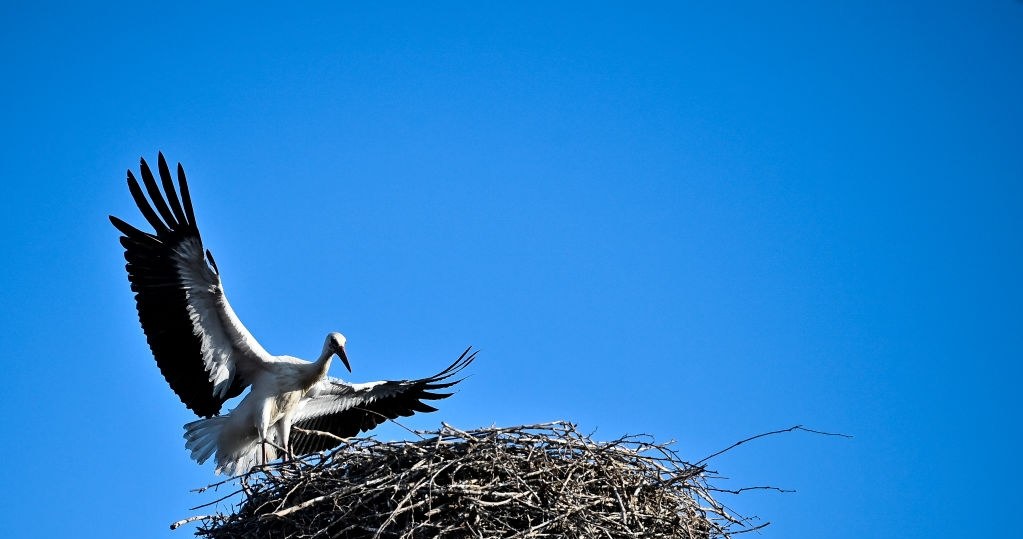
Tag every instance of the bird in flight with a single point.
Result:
(208, 356)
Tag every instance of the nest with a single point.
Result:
(544, 480)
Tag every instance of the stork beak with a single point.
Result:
(344, 358)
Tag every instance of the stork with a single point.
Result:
(208, 356)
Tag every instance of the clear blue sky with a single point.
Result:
(697, 221)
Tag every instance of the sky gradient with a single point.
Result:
(699, 221)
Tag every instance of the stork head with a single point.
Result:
(335, 343)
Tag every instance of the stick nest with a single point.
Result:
(544, 480)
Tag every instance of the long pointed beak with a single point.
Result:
(344, 358)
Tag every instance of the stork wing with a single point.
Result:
(202, 349)
(341, 410)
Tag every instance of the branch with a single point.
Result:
(184, 521)
(744, 489)
(761, 435)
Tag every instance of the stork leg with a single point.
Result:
(263, 416)
(287, 451)
(284, 435)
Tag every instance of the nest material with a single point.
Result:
(521, 482)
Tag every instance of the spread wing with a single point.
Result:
(202, 349)
(341, 410)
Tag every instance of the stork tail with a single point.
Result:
(202, 436)
(237, 448)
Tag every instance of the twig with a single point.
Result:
(184, 521)
(761, 435)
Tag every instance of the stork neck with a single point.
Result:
(321, 365)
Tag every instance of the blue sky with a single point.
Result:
(698, 221)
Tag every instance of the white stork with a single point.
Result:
(207, 356)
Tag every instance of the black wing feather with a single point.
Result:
(186, 199)
(145, 208)
(168, 187)
(156, 196)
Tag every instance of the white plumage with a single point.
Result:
(208, 356)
